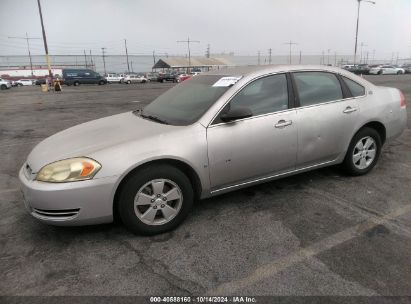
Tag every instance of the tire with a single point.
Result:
(128, 82)
(364, 160)
(141, 182)
(3, 87)
(76, 83)
(101, 82)
(379, 72)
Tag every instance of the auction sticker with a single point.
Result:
(227, 81)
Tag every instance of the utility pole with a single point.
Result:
(290, 44)
(356, 29)
(128, 65)
(104, 60)
(299, 61)
(328, 56)
(92, 63)
(335, 58)
(361, 57)
(188, 41)
(269, 55)
(373, 56)
(208, 51)
(44, 39)
(154, 57)
(398, 56)
(366, 58)
(132, 70)
(258, 57)
(85, 59)
(27, 38)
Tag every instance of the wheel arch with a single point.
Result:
(179, 164)
(377, 126)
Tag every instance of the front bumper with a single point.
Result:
(69, 204)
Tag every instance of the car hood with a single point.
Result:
(89, 137)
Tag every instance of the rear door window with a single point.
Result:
(317, 87)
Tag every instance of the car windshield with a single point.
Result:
(186, 102)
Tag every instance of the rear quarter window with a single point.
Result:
(355, 88)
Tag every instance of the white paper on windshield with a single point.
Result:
(227, 81)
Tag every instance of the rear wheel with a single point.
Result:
(363, 152)
(3, 87)
(76, 83)
(128, 81)
(155, 199)
(101, 82)
(379, 72)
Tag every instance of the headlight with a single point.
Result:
(69, 170)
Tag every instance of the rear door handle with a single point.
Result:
(282, 123)
(349, 110)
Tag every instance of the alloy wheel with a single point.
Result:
(158, 202)
(364, 152)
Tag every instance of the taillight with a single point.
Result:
(403, 104)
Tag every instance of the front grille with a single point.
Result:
(56, 214)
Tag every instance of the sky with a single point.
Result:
(240, 26)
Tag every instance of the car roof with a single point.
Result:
(263, 69)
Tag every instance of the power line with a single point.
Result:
(27, 38)
(188, 41)
(290, 44)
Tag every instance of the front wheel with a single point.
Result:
(155, 199)
(363, 152)
(3, 87)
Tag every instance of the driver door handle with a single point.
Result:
(349, 110)
(282, 123)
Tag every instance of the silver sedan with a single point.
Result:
(211, 134)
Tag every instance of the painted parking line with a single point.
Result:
(270, 269)
(136, 101)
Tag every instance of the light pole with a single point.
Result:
(356, 30)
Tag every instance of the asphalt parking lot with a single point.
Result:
(317, 233)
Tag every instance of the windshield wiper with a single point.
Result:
(154, 118)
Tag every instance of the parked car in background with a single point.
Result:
(386, 69)
(135, 78)
(172, 76)
(25, 82)
(183, 77)
(40, 81)
(152, 76)
(82, 76)
(114, 78)
(214, 133)
(359, 69)
(407, 68)
(5, 84)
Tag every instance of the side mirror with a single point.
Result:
(236, 113)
